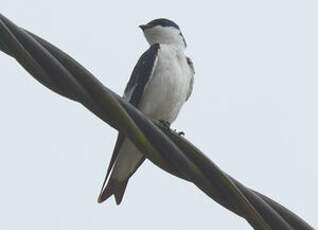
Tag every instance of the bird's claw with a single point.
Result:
(181, 133)
(165, 124)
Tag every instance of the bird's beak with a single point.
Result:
(143, 27)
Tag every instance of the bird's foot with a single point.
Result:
(179, 133)
(165, 124)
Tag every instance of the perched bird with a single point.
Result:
(160, 84)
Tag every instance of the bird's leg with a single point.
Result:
(165, 124)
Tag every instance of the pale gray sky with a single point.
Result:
(255, 86)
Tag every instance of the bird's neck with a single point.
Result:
(179, 48)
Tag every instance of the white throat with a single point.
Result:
(165, 35)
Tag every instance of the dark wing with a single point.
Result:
(141, 74)
(190, 63)
(135, 86)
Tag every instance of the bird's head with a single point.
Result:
(163, 31)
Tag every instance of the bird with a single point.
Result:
(160, 83)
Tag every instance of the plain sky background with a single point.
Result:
(253, 111)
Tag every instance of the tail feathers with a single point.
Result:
(113, 187)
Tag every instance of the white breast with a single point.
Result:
(169, 85)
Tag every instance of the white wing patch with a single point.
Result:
(127, 95)
(152, 72)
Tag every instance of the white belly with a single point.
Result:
(167, 90)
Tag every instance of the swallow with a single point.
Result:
(160, 83)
